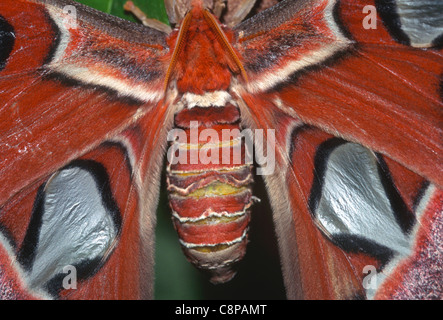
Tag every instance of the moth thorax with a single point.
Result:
(209, 184)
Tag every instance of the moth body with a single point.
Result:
(209, 180)
(209, 187)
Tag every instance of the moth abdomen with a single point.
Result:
(209, 184)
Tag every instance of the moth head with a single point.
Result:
(229, 12)
(177, 9)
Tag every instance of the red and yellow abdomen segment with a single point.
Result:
(209, 184)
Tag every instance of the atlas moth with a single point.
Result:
(87, 106)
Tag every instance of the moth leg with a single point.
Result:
(176, 10)
(239, 12)
(152, 23)
(219, 6)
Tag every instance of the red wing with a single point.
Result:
(372, 90)
(81, 108)
(67, 80)
(287, 38)
(313, 267)
(358, 139)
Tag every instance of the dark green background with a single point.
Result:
(258, 275)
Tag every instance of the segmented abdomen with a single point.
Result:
(209, 187)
